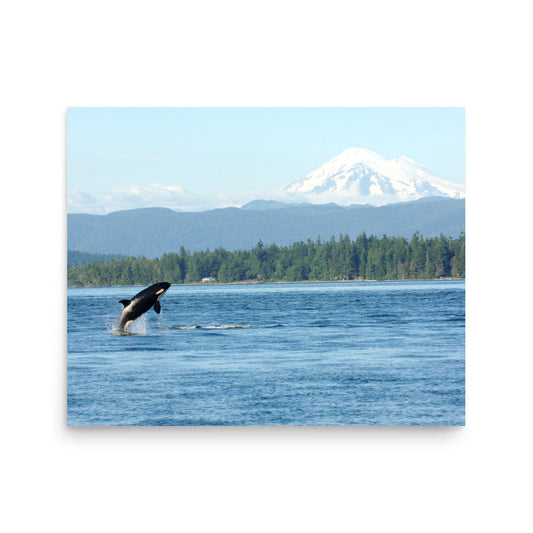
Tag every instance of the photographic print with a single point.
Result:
(266, 266)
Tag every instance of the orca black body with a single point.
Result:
(141, 303)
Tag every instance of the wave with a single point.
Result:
(196, 326)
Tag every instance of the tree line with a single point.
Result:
(365, 258)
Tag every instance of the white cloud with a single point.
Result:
(133, 197)
(178, 198)
(157, 195)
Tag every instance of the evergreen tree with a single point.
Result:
(368, 257)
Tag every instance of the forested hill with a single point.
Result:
(368, 257)
(152, 232)
(75, 258)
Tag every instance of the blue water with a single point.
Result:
(356, 353)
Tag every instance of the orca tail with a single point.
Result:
(125, 302)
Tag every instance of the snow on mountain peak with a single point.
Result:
(358, 175)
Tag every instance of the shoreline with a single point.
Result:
(199, 283)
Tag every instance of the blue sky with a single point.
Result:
(198, 158)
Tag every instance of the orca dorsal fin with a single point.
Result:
(157, 307)
(125, 302)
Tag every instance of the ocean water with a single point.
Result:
(352, 353)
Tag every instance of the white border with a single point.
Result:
(60, 54)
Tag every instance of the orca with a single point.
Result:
(141, 303)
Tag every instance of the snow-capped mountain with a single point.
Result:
(363, 177)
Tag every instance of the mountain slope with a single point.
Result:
(361, 176)
(154, 231)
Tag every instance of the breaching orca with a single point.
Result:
(141, 303)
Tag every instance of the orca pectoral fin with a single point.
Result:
(157, 307)
(125, 302)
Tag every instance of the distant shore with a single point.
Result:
(255, 282)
